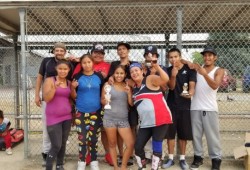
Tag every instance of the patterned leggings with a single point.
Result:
(88, 129)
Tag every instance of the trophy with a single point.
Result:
(185, 90)
(107, 89)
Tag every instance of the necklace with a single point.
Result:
(88, 81)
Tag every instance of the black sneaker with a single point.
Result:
(216, 164)
(119, 160)
(130, 161)
(59, 167)
(198, 161)
(44, 155)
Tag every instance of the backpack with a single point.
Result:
(17, 136)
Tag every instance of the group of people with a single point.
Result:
(76, 91)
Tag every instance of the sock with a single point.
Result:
(182, 157)
(171, 156)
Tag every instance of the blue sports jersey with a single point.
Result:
(89, 93)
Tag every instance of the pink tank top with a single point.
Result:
(59, 108)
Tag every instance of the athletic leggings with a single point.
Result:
(88, 129)
(58, 135)
(144, 134)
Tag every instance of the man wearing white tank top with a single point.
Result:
(204, 110)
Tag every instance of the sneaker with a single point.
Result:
(141, 163)
(108, 159)
(44, 155)
(88, 159)
(119, 160)
(81, 165)
(94, 165)
(155, 162)
(216, 164)
(168, 163)
(130, 161)
(183, 164)
(9, 151)
(59, 167)
(198, 161)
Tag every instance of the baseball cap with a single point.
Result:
(135, 65)
(98, 47)
(150, 49)
(127, 45)
(59, 45)
(209, 49)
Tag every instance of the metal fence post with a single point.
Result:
(24, 81)
(17, 94)
(179, 27)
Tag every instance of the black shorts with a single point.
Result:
(181, 125)
(133, 116)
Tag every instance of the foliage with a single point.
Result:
(233, 50)
(197, 57)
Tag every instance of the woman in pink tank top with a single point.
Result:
(56, 93)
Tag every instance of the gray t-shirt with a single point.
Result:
(119, 106)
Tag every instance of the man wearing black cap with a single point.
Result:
(97, 53)
(150, 53)
(204, 110)
(47, 69)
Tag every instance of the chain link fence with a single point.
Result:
(79, 25)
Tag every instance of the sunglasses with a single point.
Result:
(151, 61)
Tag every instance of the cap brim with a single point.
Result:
(151, 53)
(98, 51)
(208, 51)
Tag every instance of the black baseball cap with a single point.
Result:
(150, 49)
(98, 47)
(209, 49)
(127, 45)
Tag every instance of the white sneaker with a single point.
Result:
(81, 165)
(94, 165)
(9, 151)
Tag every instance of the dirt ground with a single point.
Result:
(17, 162)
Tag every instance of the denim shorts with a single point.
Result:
(115, 123)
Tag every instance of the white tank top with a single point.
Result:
(204, 97)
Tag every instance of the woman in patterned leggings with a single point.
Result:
(86, 90)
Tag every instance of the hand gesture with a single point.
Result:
(175, 70)
(74, 84)
(57, 83)
(186, 96)
(127, 89)
(111, 80)
(73, 58)
(200, 69)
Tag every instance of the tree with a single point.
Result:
(197, 57)
(233, 50)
